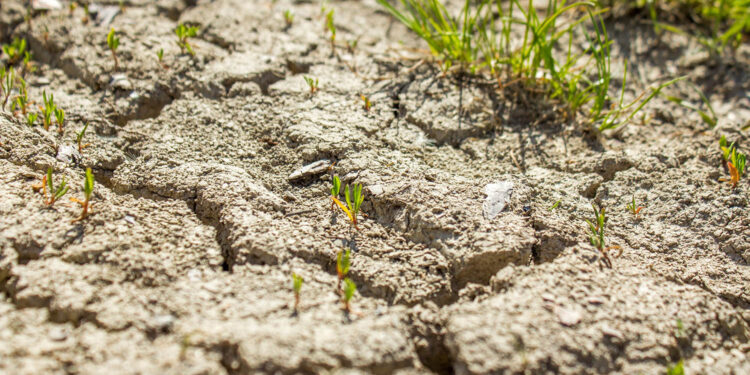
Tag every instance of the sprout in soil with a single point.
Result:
(9, 79)
(183, 33)
(160, 57)
(676, 369)
(113, 42)
(288, 18)
(55, 193)
(60, 117)
(335, 191)
(15, 50)
(297, 281)
(22, 99)
(88, 189)
(342, 266)
(634, 208)
(79, 138)
(368, 103)
(351, 45)
(349, 288)
(31, 119)
(596, 236)
(48, 110)
(734, 161)
(28, 66)
(353, 202)
(332, 29)
(312, 83)
(554, 206)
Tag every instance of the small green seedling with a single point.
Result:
(342, 266)
(726, 150)
(368, 103)
(734, 160)
(31, 119)
(596, 236)
(55, 193)
(634, 208)
(554, 205)
(79, 138)
(28, 65)
(351, 45)
(183, 33)
(349, 289)
(9, 83)
(676, 369)
(312, 83)
(88, 189)
(60, 118)
(15, 50)
(679, 332)
(113, 41)
(354, 202)
(48, 110)
(335, 190)
(160, 58)
(297, 281)
(86, 14)
(22, 99)
(288, 18)
(331, 28)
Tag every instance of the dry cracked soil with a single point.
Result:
(213, 178)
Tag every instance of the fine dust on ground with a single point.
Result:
(202, 210)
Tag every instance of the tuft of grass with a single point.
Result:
(15, 50)
(22, 99)
(79, 138)
(48, 110)
(354, 198)
(330, 27)
(596, 235)
(734, 161)
(88, 189)
(8, 81)
(297, 281)
(335, 190)
(113, 41)
(31, 119)
(343, 262)
(676, 369)
(288, 18)
(349, 289)
(368, 103)
(160, 55)
(312, 84)
(634, 208)
(183, 33)
(55, 193)
(60, 118)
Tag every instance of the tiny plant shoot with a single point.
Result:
(354, 201)
(15, 50)
(88, 189)
(734, 161)
(183, 33)
(9, 81)
(554, 206)
(288, 18)
(31, 119)
(60, 118)
(335, 191)
(297, 281)
(634, 208)
(113, 42)
(349, 289)
(22, 99)
(79, 138)
(48, 110)
(332, 29)
(55, 194)
(596, 235)
(342, 266)
(368, 103)
(312, 84)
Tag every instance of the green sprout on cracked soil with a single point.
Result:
(734, 160)
(676, 369)
(55, 193)
(79, 138)
(288, 17)
(297, 281)
(368, 103)
(349, 289)
(160, 58)
(312, 84)
(113, 41)
(633, 207)
(335, 190)
(354, 198)
(596, 235)
(31, 119)
(183, 33)
(343, 261)
(554, 206)
(48, 110)
(22, 99)
(88, 189)
(330, 27)
(15, 50)
(9, 79)
(60, 118)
